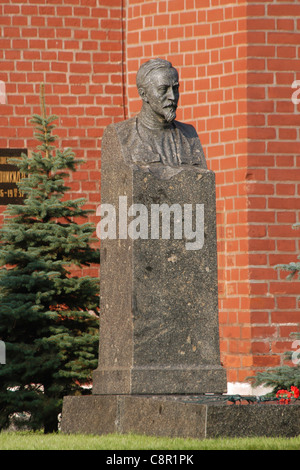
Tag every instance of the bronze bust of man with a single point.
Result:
(153, 139)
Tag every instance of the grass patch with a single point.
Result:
(39, 441)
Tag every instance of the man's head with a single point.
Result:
(157, 83)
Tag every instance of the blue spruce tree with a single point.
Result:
(48, 316)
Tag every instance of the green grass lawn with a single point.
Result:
(39, 441)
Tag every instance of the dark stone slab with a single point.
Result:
(159, 329)
(270, 420)
(177, 417)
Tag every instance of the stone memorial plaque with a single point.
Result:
(9, 177)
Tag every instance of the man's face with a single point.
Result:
(162, 93)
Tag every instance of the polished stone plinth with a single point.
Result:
(159, 326)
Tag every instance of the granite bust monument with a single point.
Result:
(159, 301)
(153, 139)
(159, 328)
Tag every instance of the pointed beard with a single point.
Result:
(170, 113)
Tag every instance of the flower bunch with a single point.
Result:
(285, 396)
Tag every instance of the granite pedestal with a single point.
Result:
(159, 330)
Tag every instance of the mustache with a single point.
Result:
(170, 105)
(170, 113)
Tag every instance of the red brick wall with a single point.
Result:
(207, 44)
(75, 48)
(273, 161)
(237, 61)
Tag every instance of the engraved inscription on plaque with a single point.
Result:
(9, 177)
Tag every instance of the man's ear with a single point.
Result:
(143, 94)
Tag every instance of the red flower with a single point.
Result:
(284, 397)
(295, 391)
(281, 393)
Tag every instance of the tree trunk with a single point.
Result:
(51, 424)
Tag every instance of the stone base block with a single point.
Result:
(176, 416)
(159, 381)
